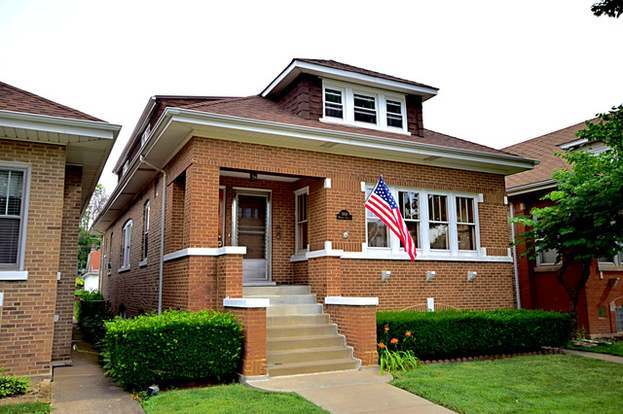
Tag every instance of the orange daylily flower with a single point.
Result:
(386, 328)
(408, 333)
(381, 345)
(393, 341)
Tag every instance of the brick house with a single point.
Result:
(600, 306)
(51, 157)
(264, 214)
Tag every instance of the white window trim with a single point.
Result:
(146, 228)
(19, 273)
(297, 236)
(126, 245)
(395, 250)
(613, 265)
(348, 106)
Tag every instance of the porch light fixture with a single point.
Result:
(385, 275)
(253, 176)
(430, 275)
(471, 276)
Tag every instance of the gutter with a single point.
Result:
(163, 205)
(515, 259)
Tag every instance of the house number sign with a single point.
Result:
(344, 215)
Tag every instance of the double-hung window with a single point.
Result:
(13, 188)
(409, 202)
(364, 108)
(394, 113)
(465, 223)
(301, 208)
(377, 231)
(438, 223)
(145, 245)
(126, 244)
(333, 103)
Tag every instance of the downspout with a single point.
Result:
(515, 259)
(162, 220)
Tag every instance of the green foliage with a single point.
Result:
(610, 8)
(396, 354)
(173, 347)
(86, 241)
(25, 408)
(92, 311)
(11, 385)
(453, 334)
(586, 218)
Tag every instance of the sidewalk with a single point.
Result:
(83, 388)
(595, 355)
(352, 392)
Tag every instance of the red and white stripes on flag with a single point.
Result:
(381, 203)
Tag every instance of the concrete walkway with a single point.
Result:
(351, 392)
(83, 388)
(595, 355)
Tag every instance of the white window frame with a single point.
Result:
(297, 235)
(540, 262)
(348, 106)
(126, 238)
(146, 226)
(615, 264)
(395, 248)
(17, 271)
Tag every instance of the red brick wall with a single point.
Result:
(254, 345)
(358, 325)
(26, 319)
(61, 350)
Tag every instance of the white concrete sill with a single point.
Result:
(123, 269)
(246, 302)
(351, 301)
(142, 263)
(13, 275)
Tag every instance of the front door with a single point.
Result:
(252, 229)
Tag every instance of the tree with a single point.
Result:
(611, 8)
(585, 220)
(87, 240)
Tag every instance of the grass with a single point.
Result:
(25, 408)
(616, 348)
(228, 399)
(532, 384)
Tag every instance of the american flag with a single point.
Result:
(381, 203)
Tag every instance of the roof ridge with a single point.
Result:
(219, 101)
(548, 133)
(58, 105)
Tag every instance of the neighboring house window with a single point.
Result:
(109, 265)
(333, 103)
(441, 224)
(301, 201)
(377, 231)
(145, 246)
(126, 244)
(357, 105)
(547, 257)
(616, 260)
(126, 165)
(465, 223)
(409, 208)
(365, 108)
(145, 135)
(13, 188)
(394, 113)
(438, 221)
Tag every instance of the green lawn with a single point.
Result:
(532, 384)
(25, 408)
(615, 349)
(228, 399)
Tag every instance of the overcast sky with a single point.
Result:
(507, 71)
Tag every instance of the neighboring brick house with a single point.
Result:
(91, 275)
(51, 157)
(269, 190)
(600, 306)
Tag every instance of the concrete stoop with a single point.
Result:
(301, 338)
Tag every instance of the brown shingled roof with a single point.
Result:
(18, 100)
(543, 148)
(344, 66)
(256, 107)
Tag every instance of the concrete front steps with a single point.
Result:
(301, 338)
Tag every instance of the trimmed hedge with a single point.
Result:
(453, 334)
(11, 385)
(176, 346)
(93, 310)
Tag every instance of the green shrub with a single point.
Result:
(12, 385)
(93, 310)
(453, 334)
(173, 347)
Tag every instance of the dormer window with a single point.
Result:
(365, 107)
(333, 103)
(145, 135)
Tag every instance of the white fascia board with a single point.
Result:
(246, 302)
(351, 301)
(13, 275)
(297, 67)
(322, 135)
(59, 125)
(531, 188)
(205, 251)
